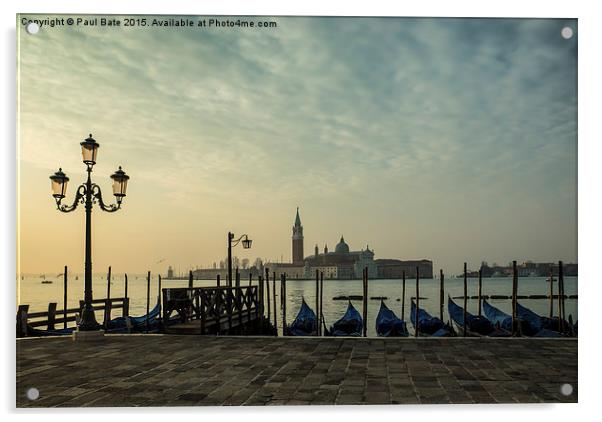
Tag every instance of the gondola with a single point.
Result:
(476, 326)
(388, 325)
(350, 325)
(306, 322)
(543, 326)
(115, 326)
(120, 324)
(428, 325)
(504, 321)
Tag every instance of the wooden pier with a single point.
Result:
(213, 310)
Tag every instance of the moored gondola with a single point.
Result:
(306, 322)
(350, 324)
(504, 321)
(388, 325)
(544, 326)
(476, 326)
(428, 325)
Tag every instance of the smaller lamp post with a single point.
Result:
(246, 244)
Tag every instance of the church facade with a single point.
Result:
(343, 263)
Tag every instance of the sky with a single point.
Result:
(453, 140)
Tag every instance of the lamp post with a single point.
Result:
(88, 193)
(246, 244)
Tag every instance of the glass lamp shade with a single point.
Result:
(246, 243)
(120, 183)
(58, 183)
(89, 150)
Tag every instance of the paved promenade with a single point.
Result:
(156, 370)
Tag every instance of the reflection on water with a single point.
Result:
(30, 291)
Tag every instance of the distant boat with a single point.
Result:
(47, 282)
(388, 325)
(306, 322)
(351, 324)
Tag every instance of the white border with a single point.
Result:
(589, 34)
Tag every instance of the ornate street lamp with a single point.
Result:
(88, 193)
(246, 244)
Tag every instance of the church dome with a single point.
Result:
(342, 247)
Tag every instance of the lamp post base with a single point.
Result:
(88, 335)
(88, 320)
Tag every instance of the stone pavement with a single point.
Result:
(164, 370)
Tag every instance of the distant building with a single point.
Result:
(343, 263)
(169, 272)
(395, 268)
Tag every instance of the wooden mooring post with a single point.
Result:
(465, 301)
(237, 277)
(441, 293)
(403, 294)
(109, 283)
(159, 300)
(218, 281)
(65, 298)
(274, 296)
(416, 328)
(560, 298)
(283, 288)
(514, 294)
(126, 310)
(250, 278)
(365, 313)
(267, 288)
(321, 315)
(190, 279)
(480, 289)
(148, 279)
(317, 302)
(551, 313)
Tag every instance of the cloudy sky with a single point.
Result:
(448, 139)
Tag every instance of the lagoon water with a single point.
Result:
(30, 291)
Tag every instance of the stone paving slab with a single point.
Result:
(168, 370)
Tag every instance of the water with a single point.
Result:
(31, 291)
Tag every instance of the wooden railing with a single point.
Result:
(217, 308)
(54, 319)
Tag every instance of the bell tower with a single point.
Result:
(298, 241)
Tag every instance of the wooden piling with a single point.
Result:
(274, 296)
(480, 289)
(148, 279)
(126, 311)
(267, 285)
(560, 298)
(317, 302)
(321, 316)
(159, 299)
(551, 312)
(250, 278)
(416, 328)
(218, 281)
(237, 277)
(190, 279)
(51, 316)
(65, 298)
(403, 294)
(514, 293)
(283, 283)
(465, 301)
(365, 313)
(441, 293)
(109, 283)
